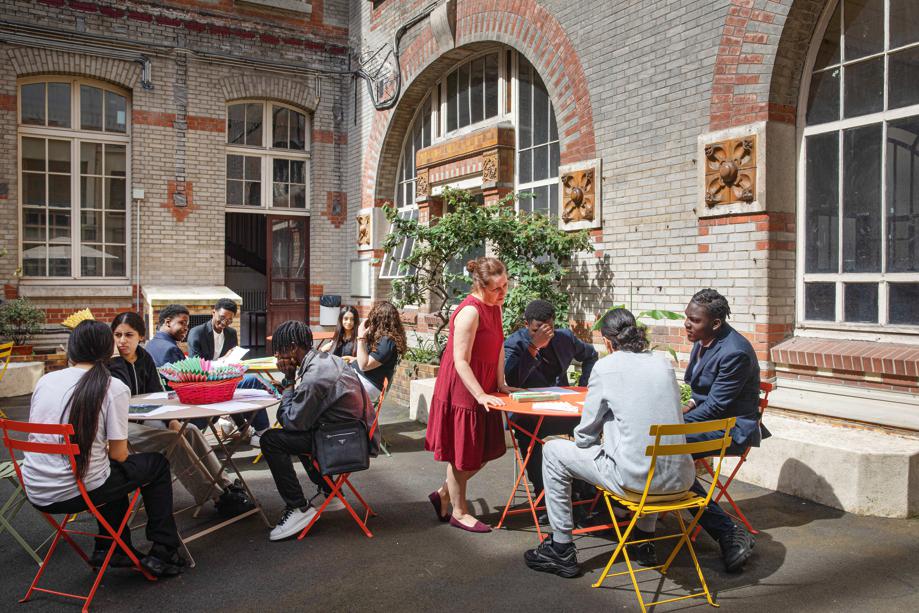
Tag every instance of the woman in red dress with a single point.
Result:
(462, 431)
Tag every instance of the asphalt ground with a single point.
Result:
(808, 556)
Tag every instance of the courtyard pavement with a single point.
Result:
(808, 557)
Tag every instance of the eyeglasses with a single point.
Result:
(225, 320)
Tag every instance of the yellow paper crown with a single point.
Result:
(74, 319)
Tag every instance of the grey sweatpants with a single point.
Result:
(563, 461)
(197, 477)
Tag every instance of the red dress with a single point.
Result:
(460, 430)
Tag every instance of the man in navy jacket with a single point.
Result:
(538, 356)
(723, 372)
(173, 326)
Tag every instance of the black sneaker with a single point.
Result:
(545, 559)
(644, 554)
(736, 548)
(233, 501)
(159, 567)
(119, 558)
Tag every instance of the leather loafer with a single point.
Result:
(434, 497)
(477, 527)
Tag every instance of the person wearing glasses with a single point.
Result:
(214, 339)
(538, 355)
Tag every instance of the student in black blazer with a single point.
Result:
(723, 373)
(214, 339)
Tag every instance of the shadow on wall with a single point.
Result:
(590, 285)
(799, 479)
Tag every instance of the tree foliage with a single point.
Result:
(532, 247)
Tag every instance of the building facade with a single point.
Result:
(766, 148)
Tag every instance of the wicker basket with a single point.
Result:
(206, 392)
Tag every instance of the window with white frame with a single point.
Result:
(860, 169)
(537, 143)
(267, 157)
(470, 93)
(74, 148)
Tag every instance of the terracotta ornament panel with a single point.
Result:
(730, 171)
(579, 195)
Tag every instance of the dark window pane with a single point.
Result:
(525, 109)
(525, 166)
(540, 113)
(280, 195)
(298, 196)
(426, 124)
(477, 95)
(234, 167)
(33, 224)
(115, 194)
(823, 97)
(91, 260)
(253, 168)
(297, 131)
(236, 124)
(114, 261)
(32, 104)
(540, 163)
(115, 163)
(59, 227)
(462, 96)
(33, 154)
(828, 54)
(553, 200)
(281, 170)
(822, 204)
(91, 158)
(541, 200)
(33, 188)
(116, 115)
(59, 105)
(820, 301)
(59, 263)
(253, 193)
(864, 87)
(861, 199)
(234, 193)
(904, 303)
(279, 127)
(904, 22)
(491, 85)
(114, 228)
(297, 174)
(553, 159)
(861, 302)
(59, 191)
(451, 101)
(903, 195)
(553, 127)
(33, 260)
(254, 124)
(91, 192)
(90, 108)
(903, 78)
(863, 27)
(59, 156)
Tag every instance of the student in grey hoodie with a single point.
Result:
(629, 391)
(325, 389)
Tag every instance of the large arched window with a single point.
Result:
(859, 170)
(495, 86)
(74, 152)
(267, 157)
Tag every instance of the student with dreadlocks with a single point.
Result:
(324, 389)
(86, 396)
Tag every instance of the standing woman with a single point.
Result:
(204, 479)
(344, 343)
(380, 342)
(462, 431)
(86, 396)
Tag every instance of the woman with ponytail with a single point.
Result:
(86, 396)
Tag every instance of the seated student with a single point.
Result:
(173, 326)
(135, 368)
(380, 342)
(214, 339)
(723, 372)
(86, 396)
(539, 356)
(324, 389)
(344, 343)
(629, 391)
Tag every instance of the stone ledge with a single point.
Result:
(859, 471)
(890, 359)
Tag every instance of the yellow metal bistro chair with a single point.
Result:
(688, 502)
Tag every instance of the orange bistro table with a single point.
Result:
(528, 408)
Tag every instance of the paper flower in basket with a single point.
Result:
(195, 369)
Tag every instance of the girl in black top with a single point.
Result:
(380, 343)
(133, 365)
(344, 343)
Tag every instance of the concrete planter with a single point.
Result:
(406, 371)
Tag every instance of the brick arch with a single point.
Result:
(757, 70)
(30, 61)
(301, 93)
(522, 24)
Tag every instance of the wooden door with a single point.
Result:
(288, 269)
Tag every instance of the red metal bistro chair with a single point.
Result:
(343, 480)
(69, 450)
(721, 487)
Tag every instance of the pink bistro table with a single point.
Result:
(244, 401)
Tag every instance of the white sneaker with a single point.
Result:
(292, 522)
(335, 504)
(256, 441)
(225, 426)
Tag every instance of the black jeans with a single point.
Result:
(550, 426)
(278, 446)
(149, 472)
(714, 520)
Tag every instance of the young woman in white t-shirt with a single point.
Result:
(86, 396)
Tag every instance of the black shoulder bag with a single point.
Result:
(342, 447)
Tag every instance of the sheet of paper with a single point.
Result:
(561, 407)
(229, 405)
(165, 409)
(158, 396)
(251, 393)
(561, 391)
(235, 355)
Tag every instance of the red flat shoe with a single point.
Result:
(434, 497)
(478, 527)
